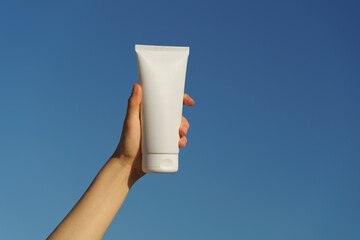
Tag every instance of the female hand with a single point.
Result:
(129, 148)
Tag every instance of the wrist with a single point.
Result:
(125, 167)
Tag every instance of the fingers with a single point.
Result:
(184, 127)
(182, 142)
(188, 101)
(133, 109)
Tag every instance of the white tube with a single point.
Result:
(162, 73)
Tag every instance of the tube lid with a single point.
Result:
(160, 163)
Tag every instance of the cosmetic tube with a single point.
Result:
(162, 71)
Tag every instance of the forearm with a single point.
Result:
(94, 212)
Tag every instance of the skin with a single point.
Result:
(92, 215)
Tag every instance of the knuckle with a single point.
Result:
(131, 101)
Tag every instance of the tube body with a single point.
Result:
(162, 73)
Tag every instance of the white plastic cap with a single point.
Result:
(160, 163)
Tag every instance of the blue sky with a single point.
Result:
(274, 143)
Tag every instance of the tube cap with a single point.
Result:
(160, 163)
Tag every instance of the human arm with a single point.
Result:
(94, 212)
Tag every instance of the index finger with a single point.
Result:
(188, 101)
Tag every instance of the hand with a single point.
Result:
(93, 213)
(129, 148)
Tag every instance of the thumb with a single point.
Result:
(133, 110)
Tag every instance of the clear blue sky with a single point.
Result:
(274, 143)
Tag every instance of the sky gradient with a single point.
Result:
(274, 144)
